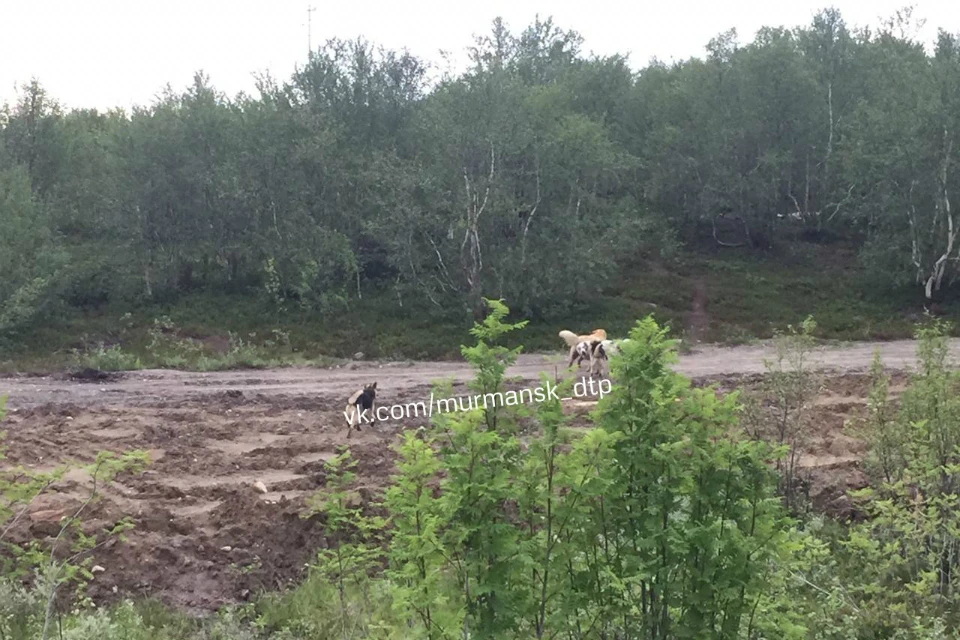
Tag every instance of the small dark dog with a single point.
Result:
(362, 403)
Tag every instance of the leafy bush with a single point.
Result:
(654, 524)
(104, 358)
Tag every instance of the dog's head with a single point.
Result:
(600, 333)
(368, 390)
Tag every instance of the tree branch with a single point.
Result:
(526, 226)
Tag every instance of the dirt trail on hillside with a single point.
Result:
(698, 320)
(151, 387)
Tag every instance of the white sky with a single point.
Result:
(106, 53)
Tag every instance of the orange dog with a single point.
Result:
(573, 339)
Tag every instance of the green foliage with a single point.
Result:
(168, 347)
(887, 456)
(892, 574)
(657, 522)
(348, 563)
(28, 258)
(562, 181)
(691, 516)
(104, 358)
(779, 413)
(491, 360)
(22, 610)
(419, 567)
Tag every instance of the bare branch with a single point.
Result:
(838, 205)
(475, 208)
(486, 194)
(732, 245)
(56, 569)
(443, 266)
(526, 226)
(23, 511)
(796, 204)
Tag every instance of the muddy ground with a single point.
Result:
(205, 536)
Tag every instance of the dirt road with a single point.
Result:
(401, 379)
(205, 536)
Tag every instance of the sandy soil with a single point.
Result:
(204, 536)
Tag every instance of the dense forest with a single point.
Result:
(534, 176)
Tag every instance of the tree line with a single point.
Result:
(535, 175)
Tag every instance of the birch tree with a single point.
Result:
(903, 146)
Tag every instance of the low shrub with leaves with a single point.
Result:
(167, 347)
(107, 358)
(653, 524)
(907, 555)
(779, 413)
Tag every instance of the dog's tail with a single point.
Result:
(570, 338)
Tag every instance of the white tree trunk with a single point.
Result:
(471, 256)
(935, 277)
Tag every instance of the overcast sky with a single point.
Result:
(105, 53)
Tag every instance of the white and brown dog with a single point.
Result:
(580, 352)
(581, 346)
(600, 355)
